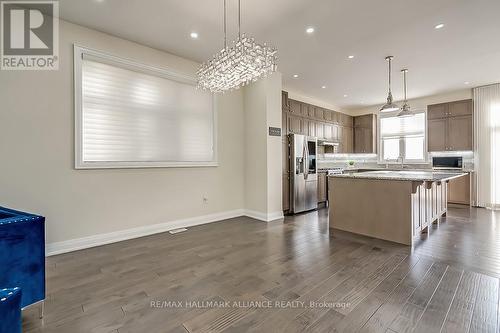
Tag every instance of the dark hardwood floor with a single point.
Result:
(290, 276)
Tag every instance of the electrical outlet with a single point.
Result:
(205, 199)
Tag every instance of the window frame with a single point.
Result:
(402, 140)
(78, 53)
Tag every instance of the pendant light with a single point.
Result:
(389, 106)
(405, 110)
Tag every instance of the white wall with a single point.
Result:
(274, 148)
(263, 153)
(420, 103)
(37, 149)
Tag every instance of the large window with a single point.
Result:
(402, 138)
(132, 115)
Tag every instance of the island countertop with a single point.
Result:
(403, 175)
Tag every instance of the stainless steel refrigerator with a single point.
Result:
(303, 173)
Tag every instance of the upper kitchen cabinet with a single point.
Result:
(436, 134)
(450, 126)
(294, 124)
(284, 101)
(459, 133)
(460, 108)
(318, 113)
(327, 114)
(346, 120)
(347, 141)
(295, 106)
(365, 134)
(437, 111)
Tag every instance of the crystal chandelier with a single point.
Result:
(245, 61)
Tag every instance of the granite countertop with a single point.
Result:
(406, 175)
(366, 169)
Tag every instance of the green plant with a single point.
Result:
(351, 163)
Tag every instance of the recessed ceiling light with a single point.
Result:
(194, 35)
(439, 26)
(345, 95)
(309, 30)
(466, 82)
(295, 75)
(323, 87)
(350, 57)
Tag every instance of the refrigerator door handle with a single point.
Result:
(306, 158)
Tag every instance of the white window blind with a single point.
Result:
(403, 126)
(131, 115)
(403, 138)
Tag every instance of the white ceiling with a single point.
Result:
(466, 49)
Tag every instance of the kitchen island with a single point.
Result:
(390, 205)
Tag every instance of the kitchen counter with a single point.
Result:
(391, 205)
(403, 175)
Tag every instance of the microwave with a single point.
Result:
(447, 162)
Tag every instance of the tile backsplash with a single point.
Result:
(326, 161)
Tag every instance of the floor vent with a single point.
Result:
(176, 231)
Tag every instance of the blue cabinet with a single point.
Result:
(22, 254)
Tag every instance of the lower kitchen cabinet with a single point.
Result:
(322, 192)
(459, 190)
(429, 203)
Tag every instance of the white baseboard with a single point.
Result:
(121, 235)
(263, 216)
(117, 236)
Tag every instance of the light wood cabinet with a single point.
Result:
(459, 133)
(284, 101)
(327, 115)
(365, 121)
(346, 120)
(358, 140)
(320, 130)
(460, 108)
(428, 202)
(335, 133)
(436, 134)
(304, 109)
(328, 134)
(318, 113)
(294, 124)
(365, 134)
(306, 119)
(294, 106)
(312, 128)
(322, 193)
(346, 145)
(459, 190)
(363, 141)
(437, 111)
(450, 126)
